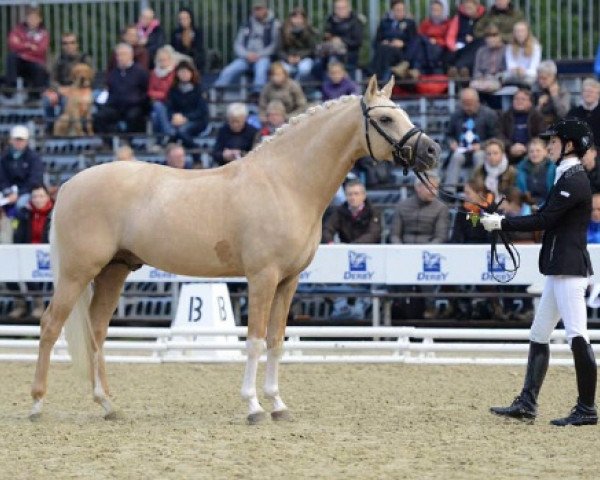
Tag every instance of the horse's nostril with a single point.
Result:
(431, 149)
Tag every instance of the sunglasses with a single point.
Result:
(69, 42)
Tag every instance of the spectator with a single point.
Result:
(127, 95)
(593, 234)
(504, 16)
(497, 175)
(255, 44)
(461, 38)
(343, 36)
(33, 228)
(282, 87)
(129, 35)
(337, 83)
(589, 110)
(519, 125)
(20, 169)
(175, 156)
(393, 43)
(6, 229)
(355, 221)
(161, 81)
(186, 107)
(298, 42)
(591, 163)
(275, 118)
(150, 34)
(187, 38)
(422, 218)
(124, 153)
(536, 172)
(597, 63)
(470, 126)
(236, 137)
(27, 51)
(551, 99)
(464, 230)
(431, 52)
(69, 56)
(53, 99)
(523, 55)
(489, 62)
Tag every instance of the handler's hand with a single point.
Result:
(492, 221)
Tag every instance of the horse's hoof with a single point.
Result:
(35, 416)
(110, 415)
(281, 416)
(256, 418)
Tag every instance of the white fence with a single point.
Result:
(354, 264)
(335, 345)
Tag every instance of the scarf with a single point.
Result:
(493, 174)
(163, 72)
(39, 217)
(186, 87)
(145, 32)
(565, 164)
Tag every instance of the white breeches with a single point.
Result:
(563, 297)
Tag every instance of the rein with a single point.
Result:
(497, 235)
(403, 154)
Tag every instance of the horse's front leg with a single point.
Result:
(261, 290)
(275, 334)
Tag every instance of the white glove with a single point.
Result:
(492, 221)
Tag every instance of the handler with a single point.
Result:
(565, 261)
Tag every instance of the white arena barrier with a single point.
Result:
(334, 345)
(349, 264)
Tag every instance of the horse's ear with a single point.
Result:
(387, 90)
(371, 90)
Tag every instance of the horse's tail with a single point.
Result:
(78, 327)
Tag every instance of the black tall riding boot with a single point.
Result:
(584, 413)
(524, 406)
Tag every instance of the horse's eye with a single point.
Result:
(386, 119)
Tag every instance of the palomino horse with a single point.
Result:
(259, 217)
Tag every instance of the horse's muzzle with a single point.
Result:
(428, 154)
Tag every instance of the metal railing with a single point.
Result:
(566, 29)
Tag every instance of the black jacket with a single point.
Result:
(226, 138)
(564, 217)
(23, 231)
(190, 104)
(24, 172)
(364, 228)
(591, 117)
(350, 30)
(128, 87)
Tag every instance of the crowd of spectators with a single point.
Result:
(158, 81)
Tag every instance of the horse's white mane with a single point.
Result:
(296, 119)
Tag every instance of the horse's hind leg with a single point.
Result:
(261, 290)
(107, 289)
(275, 334)
(65, 295)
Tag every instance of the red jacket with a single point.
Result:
(437, 31)
(30, 45)
(452, 33)
(158, 88)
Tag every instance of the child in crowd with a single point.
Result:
(281, 87)
(337, 83)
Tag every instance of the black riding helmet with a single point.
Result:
(571, 129)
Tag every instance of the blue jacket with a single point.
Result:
(226, 138)
(597, 63)
(523, 172)
(24, 172)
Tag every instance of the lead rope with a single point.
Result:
(513, 253)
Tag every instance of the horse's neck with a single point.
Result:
(314, 156)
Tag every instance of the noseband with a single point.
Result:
(404, 154)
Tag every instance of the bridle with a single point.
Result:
(403, 154)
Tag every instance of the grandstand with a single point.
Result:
(570, 40)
